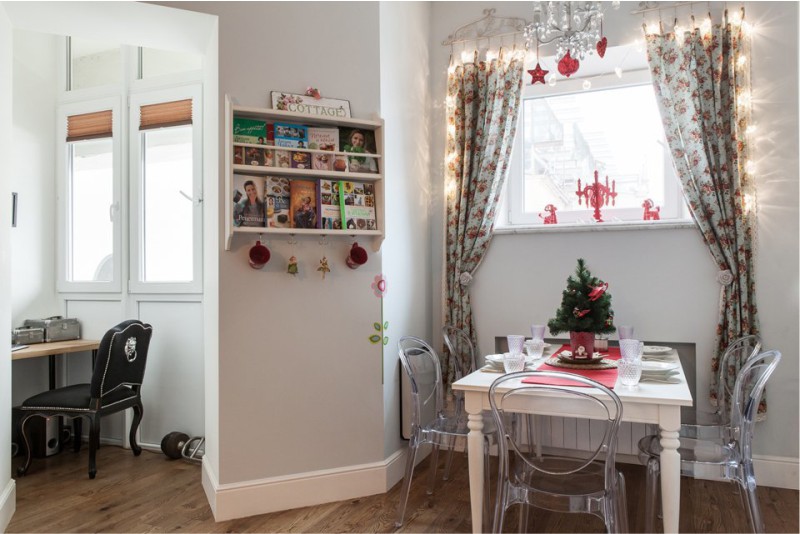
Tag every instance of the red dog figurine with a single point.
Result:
(651, 214)
(550, 218)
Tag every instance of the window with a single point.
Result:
(565, 133)
(154, 198)
(92, 63)
(90, 245)
(165, 176)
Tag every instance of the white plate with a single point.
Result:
(546, 345)
(655, 349)
(659, 367)
(497, 359)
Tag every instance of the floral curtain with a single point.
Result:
(482, 106)
(702, 83)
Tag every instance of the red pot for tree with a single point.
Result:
(581, 339)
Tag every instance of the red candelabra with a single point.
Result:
(597, 195)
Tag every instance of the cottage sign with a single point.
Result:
(308, 105)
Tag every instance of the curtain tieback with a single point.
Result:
(725, 277)
(464, 279)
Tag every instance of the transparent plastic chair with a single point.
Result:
(430, 423)
(587, 482)
(726, 458)
(715, 425)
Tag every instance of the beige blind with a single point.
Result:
(89, 125)
(175, 113)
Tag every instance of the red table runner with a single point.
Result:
(607, 377)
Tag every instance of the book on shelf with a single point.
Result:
(249, 131)
(303, 203)
(301, 160)
(248, 203)
(329, 212)
(357, 204)
(283, 159)
(277, 199)
(362, 142)
(291, 135)
(323, 139)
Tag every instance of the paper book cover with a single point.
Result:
(357, 203)
(283, 159)
(248, 203)
(301, 159)
(249, 131)
(323, 139)
(361, 142)
(277, 199)
(329, 211)
(303, 203)
(291, 135)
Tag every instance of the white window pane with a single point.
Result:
(157, 62)
(91, 199)
(168, 222)
(94, 63)
(617, 132)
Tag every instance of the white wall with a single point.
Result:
(33, 178)
(300, 384)
(662, 281)
(406, 252)
(8, 499)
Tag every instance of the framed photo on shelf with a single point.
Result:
(308, 105)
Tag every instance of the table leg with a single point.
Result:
(475, 457)
(670, 473)
(51, 362)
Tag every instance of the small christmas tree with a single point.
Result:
(585, 305)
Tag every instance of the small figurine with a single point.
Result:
(292, 268)
(651, 214)
(323, 266)
(313, 91)
(550, 218)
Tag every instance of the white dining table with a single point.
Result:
(649, 402)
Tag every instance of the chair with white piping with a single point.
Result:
(115, 386)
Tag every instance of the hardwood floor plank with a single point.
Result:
(150, 493)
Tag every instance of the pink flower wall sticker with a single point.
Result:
(379, 286)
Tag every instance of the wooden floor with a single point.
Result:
(150, 493)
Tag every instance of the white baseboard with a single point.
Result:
(8, 504)
(776, 471)
(243, 499)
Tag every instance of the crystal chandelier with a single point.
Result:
(575, 27)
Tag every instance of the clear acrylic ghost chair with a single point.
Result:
(711, 425)
(587, 482)
(727, 458)
(430, 423)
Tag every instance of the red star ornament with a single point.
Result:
(538, 74)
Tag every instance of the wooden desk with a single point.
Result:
(649, 403)
(51, 350)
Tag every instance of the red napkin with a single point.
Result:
(607, 377)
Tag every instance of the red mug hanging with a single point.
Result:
(357, 257)
(259, 255)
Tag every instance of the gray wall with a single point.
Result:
(300, 385)
(662, 281)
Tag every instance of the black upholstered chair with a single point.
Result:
(115, 386)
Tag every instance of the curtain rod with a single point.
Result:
(663, 7)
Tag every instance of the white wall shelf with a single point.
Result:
(271, 116)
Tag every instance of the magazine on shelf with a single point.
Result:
(277, 200)
(291, 135)
(303, 203)
(357, 203)
(359, 141)
(248, 203)
(323, 139)
(329, 210)
(301, 159)
(249, 131)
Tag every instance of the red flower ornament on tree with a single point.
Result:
(598, 291)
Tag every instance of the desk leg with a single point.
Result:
(670, 469)
(475, 457)
(51, 363)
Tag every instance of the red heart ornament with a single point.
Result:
(601, 47)
(568, 65)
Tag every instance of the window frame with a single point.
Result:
(63, 204)
(136, 187)
(673, 210)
